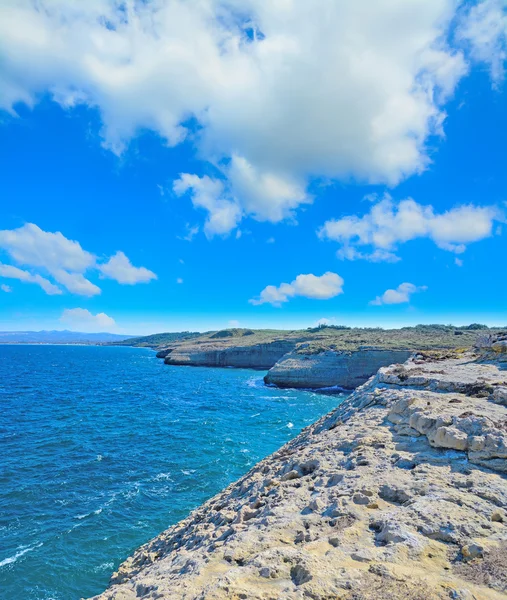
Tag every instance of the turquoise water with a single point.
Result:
(102, 448)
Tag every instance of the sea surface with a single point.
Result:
(101, 448)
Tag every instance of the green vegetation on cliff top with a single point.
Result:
(325, 337)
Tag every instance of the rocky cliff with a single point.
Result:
(400, 493)
(255, 356)
(315, 358)
(346, 369)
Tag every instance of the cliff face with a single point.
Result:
(331, 368)
(400, 493)
(257, 356)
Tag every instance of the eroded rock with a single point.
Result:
(356, 504)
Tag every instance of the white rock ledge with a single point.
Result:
(401, 492)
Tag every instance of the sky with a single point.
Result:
(174, 165)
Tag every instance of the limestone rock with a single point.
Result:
(331, 368)
(257, 356)
(354, 507)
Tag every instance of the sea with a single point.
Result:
(102, 448)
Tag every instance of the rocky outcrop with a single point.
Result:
(493, 347)
(400, 492)
(255, 356)
(331, 368)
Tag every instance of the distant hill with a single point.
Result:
(318, 339)
(58, 337)
(156, 340)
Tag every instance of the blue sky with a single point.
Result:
(258, 166)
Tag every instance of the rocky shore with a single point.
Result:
(254, 356)
(317, 358)
(401, 492)
(342, 368)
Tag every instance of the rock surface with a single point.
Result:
(331, 368)
(400, 492)
(256, 356)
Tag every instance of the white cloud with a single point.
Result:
(179, 280)
(76, 283)
(484, 27)
(458, 262)
(63, 260)
(6, 288)
(30, 245)
(119, 268)
(352, 90)
(324, 287)
(400, 295)
(191, 231)
(10, 272)
(378, 255)
(209, 194)
(83, 320)
(389, 224)
(234, 323)
(263, 195)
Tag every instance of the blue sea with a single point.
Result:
(101, 448)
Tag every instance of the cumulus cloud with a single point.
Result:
(246, 191)
(389, 224)
(30, 245)
(64, 260)
(11, 272)
(83, 320)
(76, 283)
(119, 268)
(484, 27)
(209, 194)
(6, 288)
(280, 91)
(324, 287)
(265, 194)
(400, 295)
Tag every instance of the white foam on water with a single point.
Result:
(94, 512)
(14, 557)
(108, 566)
(290, 425)
(163, 477)
(255, 382)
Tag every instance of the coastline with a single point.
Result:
(401, 488)
(322, 357)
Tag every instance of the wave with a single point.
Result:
(333, 388)
(163, 477)
(94, 512)
(255, 382)
(107, 566)
(14, 557)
